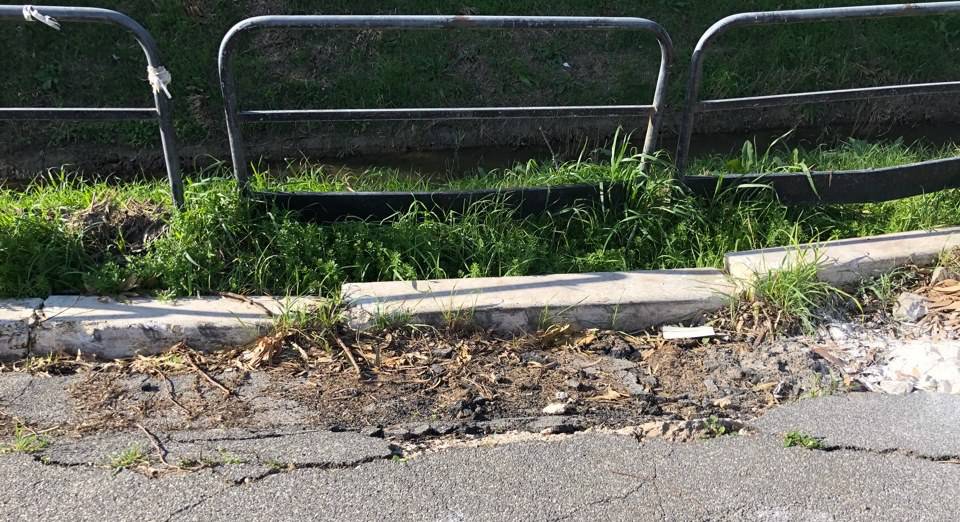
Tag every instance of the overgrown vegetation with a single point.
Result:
(63, 235)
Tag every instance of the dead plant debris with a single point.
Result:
(353, 380)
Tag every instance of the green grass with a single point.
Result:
(131, 457)
(222, 243)
(86, 64)
(24, 441)
(795, 292)
(851, 154)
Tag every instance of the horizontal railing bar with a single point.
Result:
(448, 22)
(839, 95)
(77, 113)
(443, 113)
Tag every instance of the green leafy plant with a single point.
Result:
(802, 440)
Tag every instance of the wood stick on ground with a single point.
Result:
(206, 376)
(161, 451)
(346, 351)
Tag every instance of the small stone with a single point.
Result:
(633, 387)
(649, 381)
(836, 333)
(575, 385)
(533, 357)
(561, 396)
(372, 431)
(443, 353)
(896, 387)
(910, 307)
(444, 428)
(398, 432)
(422, 430)
(723, 403)
(555, 425)
(437, 369)
(559, 408)
(711, 386)
(941, 274)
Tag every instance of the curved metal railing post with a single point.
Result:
(162, 110)
(694, 105)
(236, 117)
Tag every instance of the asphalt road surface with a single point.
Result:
(883, 458)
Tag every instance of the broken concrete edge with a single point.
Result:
(110, 328)
(846, 262)
(628, 301)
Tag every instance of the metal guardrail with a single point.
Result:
(820, 187)
(161, 111)
(329, 206)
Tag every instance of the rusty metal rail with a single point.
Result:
(823, 187)
(161, 111)
(330, 206)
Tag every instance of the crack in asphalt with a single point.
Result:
(258, 436)
(903, 452)
(599, 502)
(656, 486)
(198, 503)
(322, 466)
(942, 459)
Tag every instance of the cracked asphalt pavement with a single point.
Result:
(883, 458)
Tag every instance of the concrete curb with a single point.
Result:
(847, 261)
(111, 329)
(630, 300)
(618, 300)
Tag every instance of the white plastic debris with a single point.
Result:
(679, 332)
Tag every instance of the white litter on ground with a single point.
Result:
(886, 363)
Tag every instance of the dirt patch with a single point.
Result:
(105, 225)
(420, 384)
(605, 378)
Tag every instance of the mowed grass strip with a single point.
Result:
(61, 235)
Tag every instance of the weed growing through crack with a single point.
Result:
(229, 458)
(800, 439)
(714, 427)
(24, 441)
(131, 457)
(795, 293)
(278, 466)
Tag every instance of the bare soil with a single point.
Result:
(435, 383)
